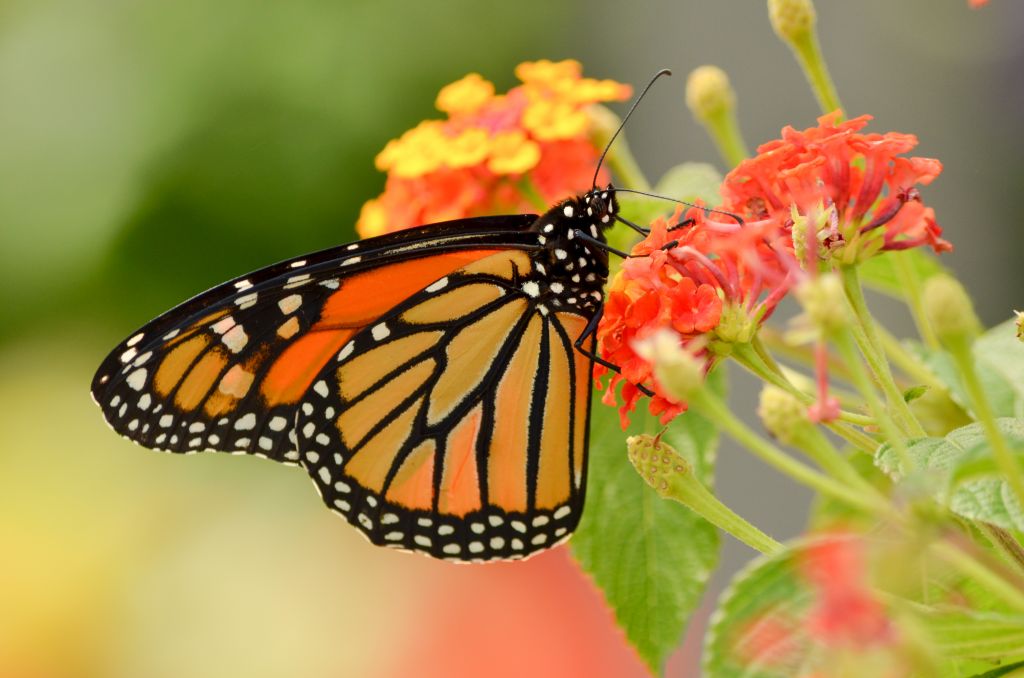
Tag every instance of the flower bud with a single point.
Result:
(782, 414)
(708, 92)
(792, 19)
(655, 461)
(678, 372)
(824, 303)
(1020, 324)
(949, 309)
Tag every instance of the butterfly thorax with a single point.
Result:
(570, 268)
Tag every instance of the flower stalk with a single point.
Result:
(673, 477)
(712, 100)
(794, 22)
(712, 407)
(872, 349)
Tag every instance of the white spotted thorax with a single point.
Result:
(569, 271)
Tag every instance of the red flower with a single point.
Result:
(718, 280)
(846, 613)
(857, 189)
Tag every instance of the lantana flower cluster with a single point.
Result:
(706, 276)
(495, 153)
(826, 195)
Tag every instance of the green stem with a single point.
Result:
(822, 452)
(908, 362)
(858, 439)
(672, 477)
(706, 402)
(872, 350)
(1004, 458)
(910, 282)
(750, 359)
(847, 349)
(724, 130)
(808, 53)
(980, 573)
(847, 399)
(773, 339)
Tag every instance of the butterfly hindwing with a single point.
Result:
(226, 370)
(455, 425)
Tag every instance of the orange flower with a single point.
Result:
(857, 191)
(475, 162)
(716, 284)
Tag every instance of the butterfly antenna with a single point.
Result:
(632, 108)
(738, 218)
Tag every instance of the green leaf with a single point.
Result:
(1002, 353)
(914, 392)
(756, 629)
(763, 626)
(1001, 671)
(959, 474)
(650, 557)
(969, 634)
(999, 358)
(879, 272)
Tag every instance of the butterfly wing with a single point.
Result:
(226, 370)
(457, 423)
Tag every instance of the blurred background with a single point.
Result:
(150, 149)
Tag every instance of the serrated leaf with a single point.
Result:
(958, 474)
(755, 625)
(879, 272)
(650, 557)
(773, 622)
(795, 613)
(999, 360)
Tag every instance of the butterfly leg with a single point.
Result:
(589, 332)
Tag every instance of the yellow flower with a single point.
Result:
(465, 96)
(548, 120)
(472, 162)
(513, 153)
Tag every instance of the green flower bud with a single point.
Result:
(824, 303)
(656, 462)
(708, 93)
(782, 414)
(949, 309)
(792, 19)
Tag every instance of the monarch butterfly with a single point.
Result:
(427, 379)
(434, 382)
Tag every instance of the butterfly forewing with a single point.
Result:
(225, 370)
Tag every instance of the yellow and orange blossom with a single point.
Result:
(491, 147)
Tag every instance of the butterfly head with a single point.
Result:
(600, 207)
